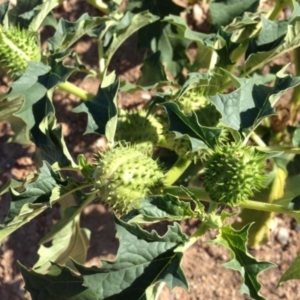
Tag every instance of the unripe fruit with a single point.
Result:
(138, 129)
(17, 47)
(124, 175)
(233, 173)
(194, 100)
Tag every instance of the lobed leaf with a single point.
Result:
(242, 261)
(102, 109)
(290, 41)
(152, 71)
(129, 24)
(246, 106)
(223, 12)
(70, 241)
(60, 283)
(201, 137)
(22, 14)
(143, 259)
(32, 197)
(67, 33)
(160, 208)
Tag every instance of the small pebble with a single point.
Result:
(282, 236)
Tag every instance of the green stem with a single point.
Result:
(279, 6)
(256, 138)
(75, 90)
(295, 99)
(102, 6)
(176, 171)
(194, 238)
(249, 204)
(67, 169)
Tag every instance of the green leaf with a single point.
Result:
(67, 33)
(152, 71)
(60, 283)
(70, 242)
(34, 196)
(182, 33)
(209, 81)
(222, 12)
(60, 71)
(41, 12)
(8, 107)
(22, 13)
(246, 106)
(38, 191)
(291, 40)
(160, 208)
(50, 144)
(71, 207)
(31, 88)
(293, 272)
(129, 24)
(242, 261)
(102, 109)
(201, 137)
(243, 27)
(143, 259)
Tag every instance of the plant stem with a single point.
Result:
(75, 90)
(279, 6)
(194, 238)
(257, 139)
(295, 99)
(250, 204)
(176, 171)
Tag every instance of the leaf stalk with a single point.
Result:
(75, 90)
(249, 204)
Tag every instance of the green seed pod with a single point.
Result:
(138, 129)
(124, 175)
(191, 100)
(233, 173)
(194, 100)
(17, 47)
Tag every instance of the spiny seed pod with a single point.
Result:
(17, 47)
(194, 100)
(138, 129)
(233, 173)
(124, 175)
(190, 101)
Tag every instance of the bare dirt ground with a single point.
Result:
(201, 263)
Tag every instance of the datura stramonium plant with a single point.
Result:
(125, 175)
(17, 48)
(233, 173)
